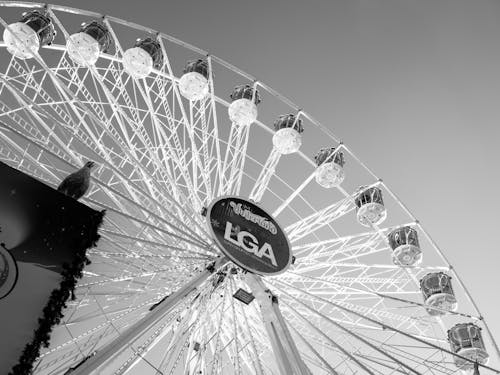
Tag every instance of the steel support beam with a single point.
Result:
(287, 356)
(107, 353)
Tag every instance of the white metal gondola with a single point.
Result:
(438, 292)
(288, 136)
(193, 84)
(405, 247)
(34, 29)
(466, 340)
(330, 171)
(141, 59)
(370, 208)
(243, 108)
(85, 46)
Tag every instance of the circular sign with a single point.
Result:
(249, 236)
(8, 272)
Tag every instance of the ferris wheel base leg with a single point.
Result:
(114, 348)
(287, 356)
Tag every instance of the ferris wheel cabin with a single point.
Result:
(405, 247)
(193, 84)
(288, 136)
(370, 208)
(438, 293)
(466, 340)
(85, 46)
(243, 108)
(34, 29)
(330, 171)
(140, 60)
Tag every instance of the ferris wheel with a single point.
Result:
(241, 236)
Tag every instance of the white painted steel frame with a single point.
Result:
(158, 189)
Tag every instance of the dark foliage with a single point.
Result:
(82, 237)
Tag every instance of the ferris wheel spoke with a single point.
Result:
(216, 359)
(242, 333)
(20, 98)
(59, 154)
(146, 322)
(265, 175)
(137, 356)
(170, 144)
(385, 326)
(246, 332)
(293, 195)
(379, 310)
(15, 155)
(66, 93)
(188, 240)
(137, 131)
(154, 246)
(315, 221)
(202, 115)
(329, 339)
(42, 147)
(133, 119)
(343, 285)
(323, 361)
(234, 160)
(351, 333)
(182, 121)
(179, 341)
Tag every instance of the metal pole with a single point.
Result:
(287, 356)
(114, 348)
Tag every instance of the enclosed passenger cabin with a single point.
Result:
(140, 60)
(370, 208)
(85, 46)
(438, 293)
(34, 29)
(193, 84)
(466, 340)
(288, 136)
(405, 247)
(330, 171)
(243, 108)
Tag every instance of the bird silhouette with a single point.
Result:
(76, 184)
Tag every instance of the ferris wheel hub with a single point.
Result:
(24, 43)
(249, 236)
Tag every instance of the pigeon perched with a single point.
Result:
(76, 184)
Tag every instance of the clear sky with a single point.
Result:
(412, 86)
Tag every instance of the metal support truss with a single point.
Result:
(265, 175)
(114, 348)
(287, 356)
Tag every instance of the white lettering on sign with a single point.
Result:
(251, 244)
(254, 218)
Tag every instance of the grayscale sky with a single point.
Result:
(412, 86)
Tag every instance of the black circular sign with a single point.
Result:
(249, 236)
(8, 272)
